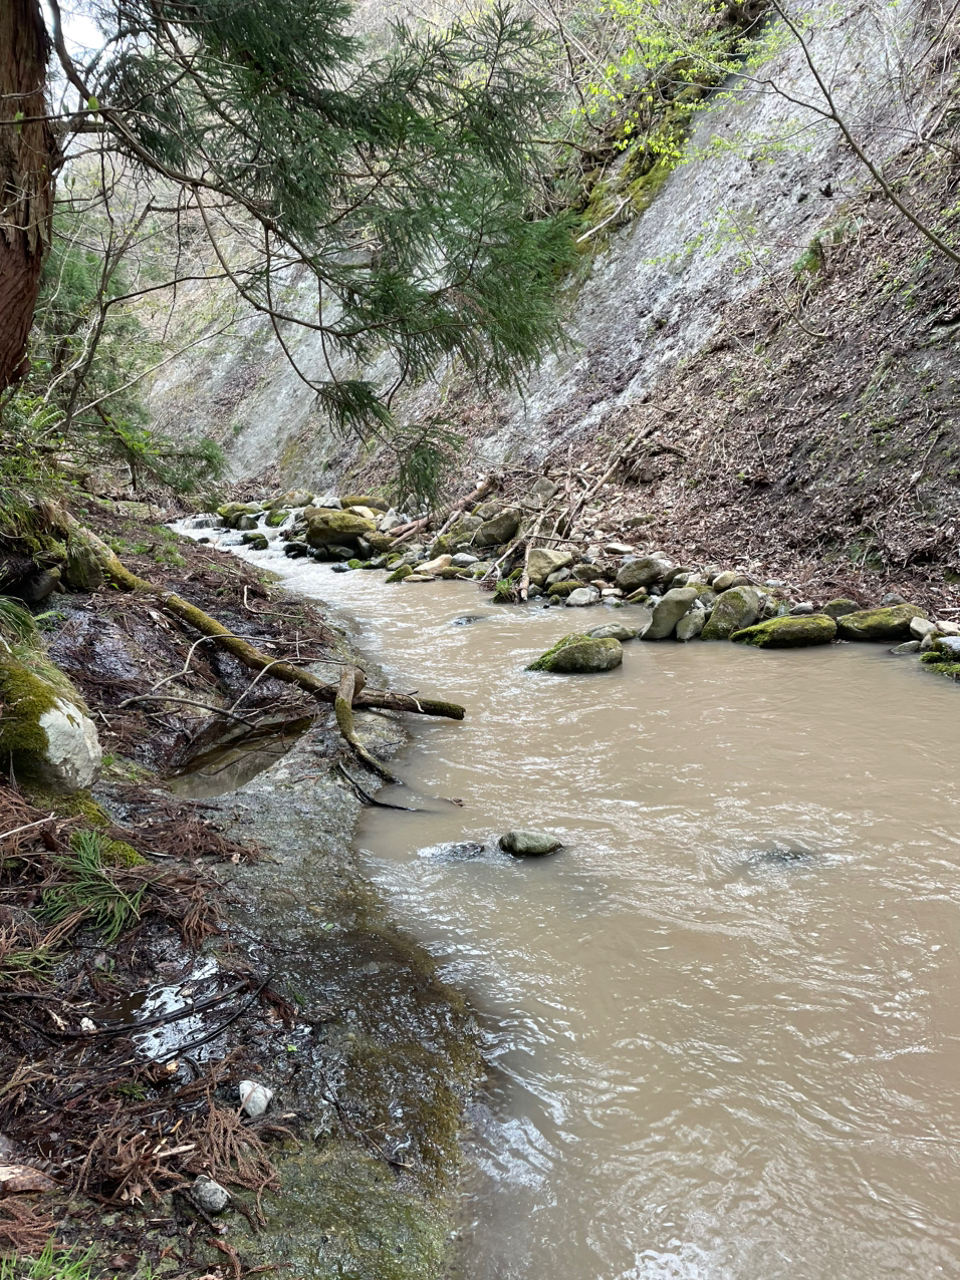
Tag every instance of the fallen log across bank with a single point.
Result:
(254, 659)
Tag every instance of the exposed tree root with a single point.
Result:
(351, 683)
(255, 660)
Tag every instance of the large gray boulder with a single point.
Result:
(735, 609)
(669, 611)
(542, 563)
(612, 631)
(579, 654)
(644, 572)
(500, 529)
(789, 633)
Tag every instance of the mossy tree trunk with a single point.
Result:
(28, 160)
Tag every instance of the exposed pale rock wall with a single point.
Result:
(721, 226)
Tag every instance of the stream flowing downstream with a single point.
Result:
(725, 1019)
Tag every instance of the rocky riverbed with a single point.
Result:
(505, 548)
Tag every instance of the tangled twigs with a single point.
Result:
(242, 649)
(483, 490)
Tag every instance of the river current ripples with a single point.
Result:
(723, 1022)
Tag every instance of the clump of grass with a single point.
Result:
(17, 624)
(52, 1263)
(89, 888)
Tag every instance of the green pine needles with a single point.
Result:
(395, 179)
(88, 887)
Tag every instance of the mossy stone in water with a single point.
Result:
(276, 518)
(735, 609)
(402, 571)
(565, 588)
(256, 541)
(579, 654)
(788, 633)
(529, 844)
(891, 623)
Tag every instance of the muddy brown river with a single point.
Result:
(725, 1019)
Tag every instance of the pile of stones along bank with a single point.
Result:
(672, 601)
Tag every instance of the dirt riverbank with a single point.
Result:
(253, 950)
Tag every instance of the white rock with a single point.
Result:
(619, 549)
(209, 1195)
(254, 1097)
(73, 756)
(581, 597)
(920, 627)
(390, 521)
(463, 560)
(948, 628)
(434, 566)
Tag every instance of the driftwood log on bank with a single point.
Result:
(483, 490)
(252, 658)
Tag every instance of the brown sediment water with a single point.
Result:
(725, 1019)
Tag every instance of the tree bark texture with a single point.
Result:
(28, 161)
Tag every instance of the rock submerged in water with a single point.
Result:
(788, 633)
(890, 623)
(529, 844)
(580, 654)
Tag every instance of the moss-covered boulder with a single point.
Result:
(788, 633)
(334, 528)
(378, 542)
(735, 609)
(565, 588)
(839, 607)
(82, 570)
(255, 541)
(276, 517)
(500, 529)
(402, 571)
(890, 623)
(232, 512)
(364, 500)
(44, 728)
(580, 654)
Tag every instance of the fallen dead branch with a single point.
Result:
(246, 653)
(351, 683)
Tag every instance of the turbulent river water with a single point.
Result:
(725, 1019)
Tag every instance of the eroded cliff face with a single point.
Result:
(736, 237)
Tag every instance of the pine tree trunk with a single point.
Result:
(28, 160)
